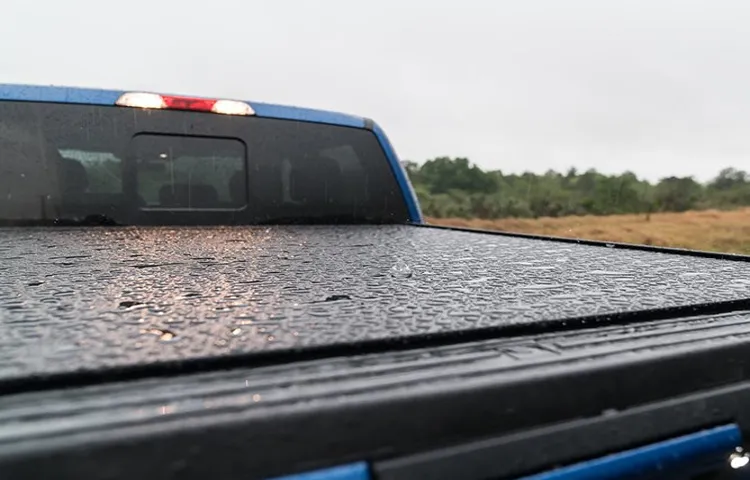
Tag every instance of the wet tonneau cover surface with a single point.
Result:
(86, 298)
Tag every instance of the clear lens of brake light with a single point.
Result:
(141, 100)
(232, 107)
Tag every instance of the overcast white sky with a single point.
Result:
(655, 86)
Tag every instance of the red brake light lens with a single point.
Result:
(187, 103)
(172, 102)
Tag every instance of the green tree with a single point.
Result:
(456, 187)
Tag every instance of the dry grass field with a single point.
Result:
(713, 230)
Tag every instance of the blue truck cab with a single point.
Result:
(147, 158)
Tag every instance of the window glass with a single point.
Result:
(190, 172)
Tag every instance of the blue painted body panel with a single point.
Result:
(91, 96)
(716, 443)
(355, 471)
(412, 203)
(40, 93)
(269, 110)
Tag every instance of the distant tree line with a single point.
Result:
(454, 187)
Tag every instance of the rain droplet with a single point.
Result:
(401, 270)
(336, 298)
(163, 334)
(129, 304)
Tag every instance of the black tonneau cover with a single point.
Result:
(88, 299)
(163, 353)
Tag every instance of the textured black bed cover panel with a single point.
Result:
(88, 299)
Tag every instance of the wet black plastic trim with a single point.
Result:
(380, 428)
(538, 450)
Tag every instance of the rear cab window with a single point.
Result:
(71, 162)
